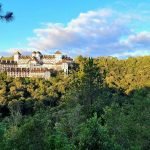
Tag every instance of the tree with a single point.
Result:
(129, 125)
(8, 16)
(89, 84)
(93, 136)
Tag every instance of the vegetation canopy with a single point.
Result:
(103, 104)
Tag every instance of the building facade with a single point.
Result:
(36, 65)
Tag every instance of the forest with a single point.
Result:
(103, 104)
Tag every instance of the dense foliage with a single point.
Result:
(104, 104)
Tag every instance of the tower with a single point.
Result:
(33, 54)
(17, 56)
(38, 56)
(65, 67)
(58, 56)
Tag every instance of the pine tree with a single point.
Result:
(7, 17)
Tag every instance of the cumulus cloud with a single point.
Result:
(132, 53)
(135, 45)
(93, 33)
(139, 40)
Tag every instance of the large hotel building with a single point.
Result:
(36, 65)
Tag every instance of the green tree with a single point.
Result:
(93, 136)
(86, 86)
(8, 16)
(129, 126)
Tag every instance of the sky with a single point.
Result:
(119, 28)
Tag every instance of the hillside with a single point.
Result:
(104, 103)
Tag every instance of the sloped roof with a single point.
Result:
(58, 52)
(38, 52)
(34, 59)
(17, 52)
(34, 52)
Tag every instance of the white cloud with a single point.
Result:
(132, 53)
(93, 33)
(141, 39)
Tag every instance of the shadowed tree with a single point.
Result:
(7, 17)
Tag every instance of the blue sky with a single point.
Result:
(89, 27)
